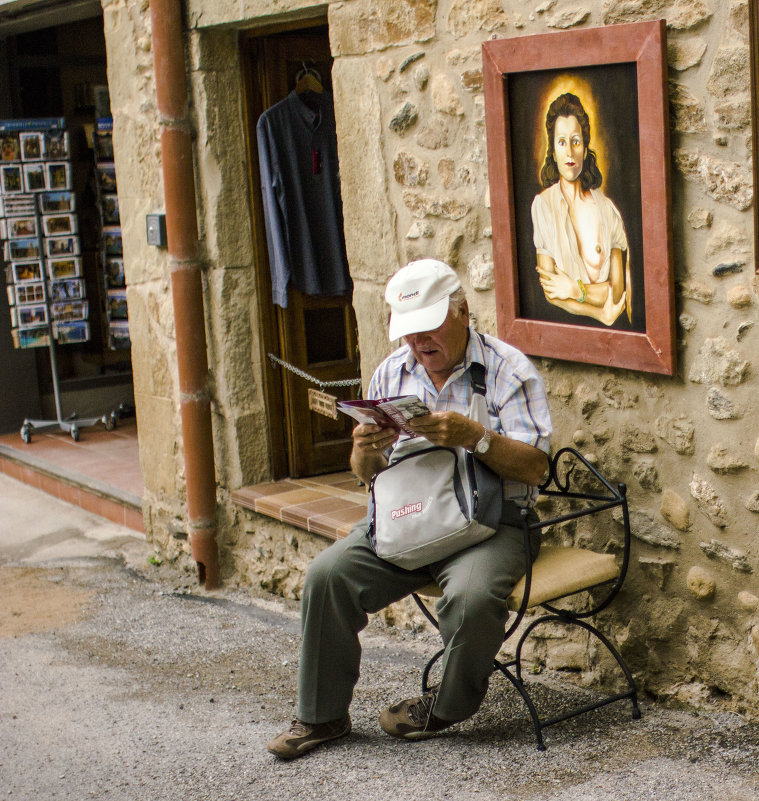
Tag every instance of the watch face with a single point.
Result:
(483, 445)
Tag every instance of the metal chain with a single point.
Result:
(345, 382)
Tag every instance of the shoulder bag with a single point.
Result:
(432, 501)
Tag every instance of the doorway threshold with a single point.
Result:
(328, 505)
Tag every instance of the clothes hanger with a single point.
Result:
(308, 80)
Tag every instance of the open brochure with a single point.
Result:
(386, 412)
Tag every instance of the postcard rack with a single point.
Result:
(73, 423)
(41, 251)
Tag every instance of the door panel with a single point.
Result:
(316, 334)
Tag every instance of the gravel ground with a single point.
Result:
(151, 690)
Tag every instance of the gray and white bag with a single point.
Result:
(431, 501)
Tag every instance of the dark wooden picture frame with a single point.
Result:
(623, 68)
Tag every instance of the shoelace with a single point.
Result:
(420, 711)
(298, 728)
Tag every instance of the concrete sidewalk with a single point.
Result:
(122, 680)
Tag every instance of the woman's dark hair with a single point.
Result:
(569, 105)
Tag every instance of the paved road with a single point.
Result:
(121, 680)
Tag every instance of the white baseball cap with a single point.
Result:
(418, 296)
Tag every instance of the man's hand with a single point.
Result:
(369, 444)
(449, 429)
(370, 437)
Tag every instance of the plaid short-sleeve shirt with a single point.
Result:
(515, 395)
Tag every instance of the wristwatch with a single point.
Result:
(483, 444)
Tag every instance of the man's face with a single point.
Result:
(568, 149)
(441, 350)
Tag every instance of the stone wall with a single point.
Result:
(410, 113)
(686, 446)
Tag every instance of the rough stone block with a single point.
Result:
(687, 111)
(435, 133)
(682, 54)
(748, 600)
(678, 432)
(428, 206)
(403, 119)
(731, 70)
(700, 218)
(675, 510)
(717, 363)
(647, 476)
(720, 406)
(466, 16)
(739, 296)
(644, 528)
(568, 17)
(681, 15)
(481, 273)
(409, 171)
(445, 97)
(701, 583)
(657, 568)
(725, 181)
(709, 501)
(722, 460)
(697, 290)
(364, 26)
(733, 557)
(728, 239)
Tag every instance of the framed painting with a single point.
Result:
(578, 160)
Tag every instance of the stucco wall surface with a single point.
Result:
(411, 129)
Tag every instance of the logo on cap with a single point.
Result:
(407, 296)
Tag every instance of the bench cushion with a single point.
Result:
(557, 572)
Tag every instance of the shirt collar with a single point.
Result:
(474, 352)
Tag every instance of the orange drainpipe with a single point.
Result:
(186, 285)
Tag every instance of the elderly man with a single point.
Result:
(348, 580)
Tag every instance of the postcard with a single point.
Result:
(118, 335)
(68, 333)
(21, 227)
(62, 246)
(112, 241)
(58, 175)
(56, 145)
(59, 224)
(11, 179)
(64, 267)
(67, 289)
(38, 337)
(29, 293)
(52, 202)
(114, 274)
(20, 249)
(109, 209)
(30, 316)
(34, 177)
(10, 149)
(117, 304)
(106, 175)
(32, 145)
(68, 310)
(26, 271)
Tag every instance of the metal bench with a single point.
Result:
(562, 572)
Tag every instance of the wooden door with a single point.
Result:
(317, 335)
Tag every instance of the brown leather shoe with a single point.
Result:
(302, 737)
(413, 719)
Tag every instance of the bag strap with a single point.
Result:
(477, 372)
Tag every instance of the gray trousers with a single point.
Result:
(348, 580)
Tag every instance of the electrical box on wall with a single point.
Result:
(156, 229)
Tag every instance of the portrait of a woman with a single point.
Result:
(578, 233)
